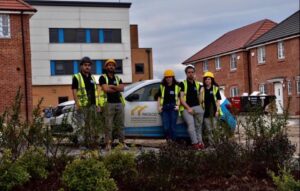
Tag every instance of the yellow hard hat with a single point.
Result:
(110, 61)
(169, 73)
(208, 74)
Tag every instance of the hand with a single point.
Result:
(217, 114)
(159, 109)
(191, 111)
(176, 108)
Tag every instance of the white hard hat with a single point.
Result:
(189, 66)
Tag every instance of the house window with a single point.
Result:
(263, 88)
(63, 99)
(261, 55)
(234, 91)
(82, 35)
(139, 68)
(205, 65)
(233, 62)
(280, 50)
(112, 35)
(298, 85)
(74, 36)
(4, 26)
(63, 67)
(289, 87)
(218, 63)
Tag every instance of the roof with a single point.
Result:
(288, 27)
(234, 40)
(15, 5)
(81, 3)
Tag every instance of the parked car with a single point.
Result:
(141, 116)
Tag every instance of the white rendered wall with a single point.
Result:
(76, 17)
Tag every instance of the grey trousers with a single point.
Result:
(114, 121)
(210, 124)
(194, 124)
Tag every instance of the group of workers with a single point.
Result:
(196, 103)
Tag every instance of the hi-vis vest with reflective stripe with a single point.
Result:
(82, 94)
(215, 90)
(162, 90)
(181, 108)
(103, 95)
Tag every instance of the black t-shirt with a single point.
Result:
(89, 87)
(111, 97)
(209, 102)
(191, 94)
(169, 97)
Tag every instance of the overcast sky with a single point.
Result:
(177, 29)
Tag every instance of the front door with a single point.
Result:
(278, 91)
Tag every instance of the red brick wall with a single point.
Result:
(11, 63)
(287, 68)
(224, 76)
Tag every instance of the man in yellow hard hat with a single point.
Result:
(168, 103)
(190, 107)
(210, 101)
(112, 100)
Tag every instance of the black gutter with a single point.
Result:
(149, 62)
(249, 72)
(24, 65)
(78, 4)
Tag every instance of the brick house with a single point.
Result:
(15, 56)
(141, 58)
(275, 65)
(228, 59)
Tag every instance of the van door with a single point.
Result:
(141, 115)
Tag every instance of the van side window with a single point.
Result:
(148, 93)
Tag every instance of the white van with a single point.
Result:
(141, 116)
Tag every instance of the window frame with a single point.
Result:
(289, 87)
(218, 63)
(7, 16)
(205, 65)
(232, 91)
(263, 89)
(298, 85)
(233, 62)
(142, 66)
(261, 55)
(280, 50)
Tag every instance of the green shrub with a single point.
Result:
(285, 181)
(270, 153)
(11, 174)
(122, 166)
(35, 162)
(88, 175)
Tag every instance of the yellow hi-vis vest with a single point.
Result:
(215, 90)
(82, 94)
(103, 95)
(181, 108)
(162, 90)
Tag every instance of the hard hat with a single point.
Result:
(110, 61)
(208, 74)
(169, 73)
(189, 66)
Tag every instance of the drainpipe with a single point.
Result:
(149, 62)
(249, 72)
(25, 70)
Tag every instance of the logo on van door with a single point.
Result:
(138, 109)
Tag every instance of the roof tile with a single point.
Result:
(15, 5)
(233, 40)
